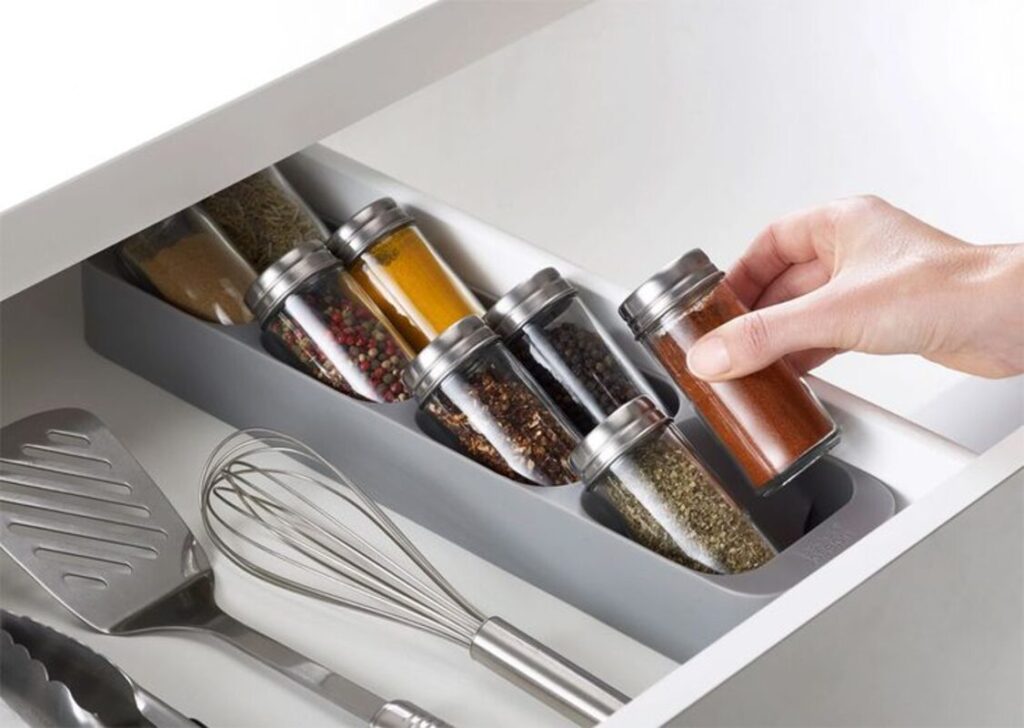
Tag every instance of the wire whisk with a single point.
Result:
(313, 531)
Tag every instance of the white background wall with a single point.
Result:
(631, 131)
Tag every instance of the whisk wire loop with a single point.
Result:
(270, 511)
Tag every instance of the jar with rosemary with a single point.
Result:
(314, 316)
(264, 217)
(642, 466)
(415, 288)
(470, 384)
(189, 262)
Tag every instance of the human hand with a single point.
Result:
(861, 275)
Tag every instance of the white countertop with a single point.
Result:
(628, 132)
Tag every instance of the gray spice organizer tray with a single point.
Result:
(555, 538)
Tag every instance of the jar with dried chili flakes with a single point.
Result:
(392, 260)
(472, 386)
(314, 316)
(770, 421)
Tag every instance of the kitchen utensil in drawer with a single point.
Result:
(51, 679)
(86, 521)
(311, 530)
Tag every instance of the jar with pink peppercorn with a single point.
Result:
(315, 316)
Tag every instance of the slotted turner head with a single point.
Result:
(80, 515)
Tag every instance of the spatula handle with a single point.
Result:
(357, 700)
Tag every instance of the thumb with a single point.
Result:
(751, 342)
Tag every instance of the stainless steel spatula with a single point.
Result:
(85, 520)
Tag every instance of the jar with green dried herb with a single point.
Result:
(264, 217)
(553, 333)
(188, 261)
(315, 316)
(642, 466)
(470, 384)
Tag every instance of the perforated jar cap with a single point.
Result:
(677, 284)
(286, 274)
(366, 227)
(445, 354)
(620, 431)
(515, 309)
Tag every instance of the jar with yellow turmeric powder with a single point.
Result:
(392, 260)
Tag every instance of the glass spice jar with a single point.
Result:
(770, 421)
(642, 466)
(188, 261)
(552, 332)
(411, 283)
(315, 316)
(469, 383)
(264, 217)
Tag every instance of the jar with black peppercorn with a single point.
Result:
(770, 421)
(315, 316)
(553, 333)
(642, 466)
(469, 383)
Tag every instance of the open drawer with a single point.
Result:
(888, 486)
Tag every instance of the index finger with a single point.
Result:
(790, 240)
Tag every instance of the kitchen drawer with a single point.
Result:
(830, 630)
(931, 480)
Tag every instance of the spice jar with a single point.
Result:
(264, 217)
(770, 421)
(642, 466)
(188, 261)
(570, 354)
(315, 316)
(391, 259)
(472, 386)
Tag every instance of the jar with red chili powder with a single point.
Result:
(316, 317)
(770, 421)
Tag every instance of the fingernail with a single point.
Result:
(709, 358)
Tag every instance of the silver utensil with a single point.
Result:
(83, 518)
(315, 532)
(52, 679)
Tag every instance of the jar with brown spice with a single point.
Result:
(189, 262)
(566, 349)
(642, 466)
(264, 217)
(470, 384)
(399, 268)
(770, 421)
(316, 317)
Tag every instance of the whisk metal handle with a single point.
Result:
(549, 677)
(357, 700)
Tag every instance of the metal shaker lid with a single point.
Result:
(678, 284)
(620, 431)
(445, 354)
(366, 227)
(513, 310)
(286, 274)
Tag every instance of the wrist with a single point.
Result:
(992, 307)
